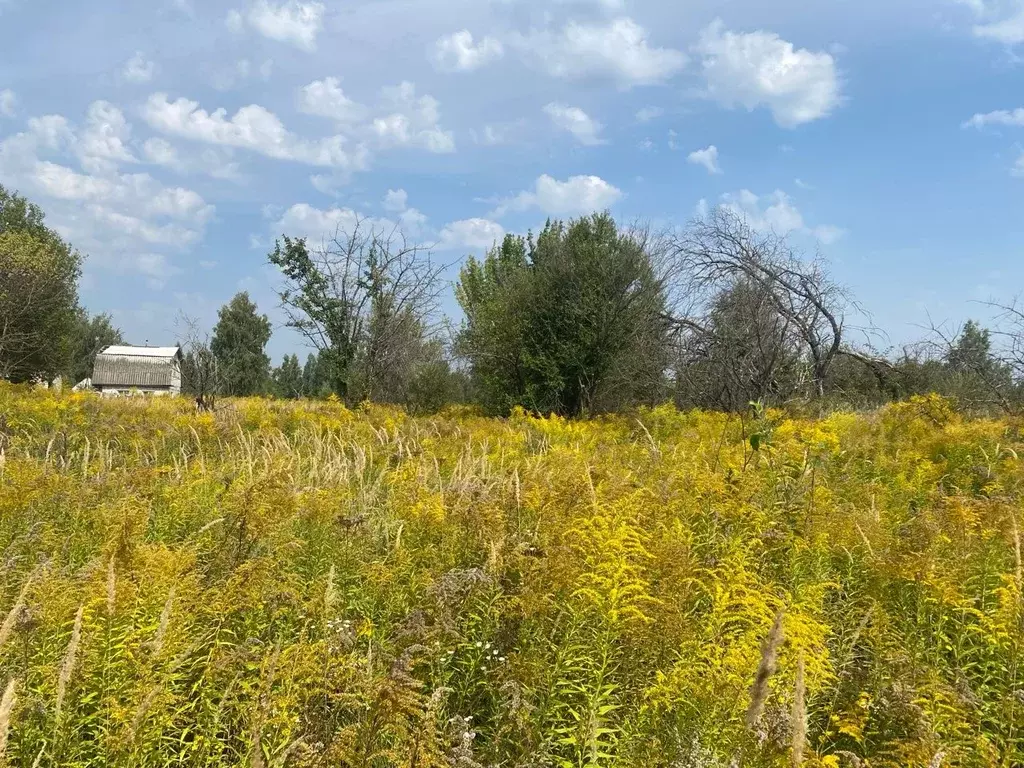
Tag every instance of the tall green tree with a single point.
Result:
(239, 345)
(313, 383)
(287, 378)
(574, 322)
(38, 293)
(92, 334)
(363, 301)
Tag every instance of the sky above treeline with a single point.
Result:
(173, 140)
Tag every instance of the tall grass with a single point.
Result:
(297, 584)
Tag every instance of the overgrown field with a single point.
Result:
(303, 585)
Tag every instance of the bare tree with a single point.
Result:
(201, 375)
(365, 299)
(721, 250)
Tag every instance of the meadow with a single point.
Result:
(300, 584)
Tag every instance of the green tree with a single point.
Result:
(362, 300)
(313, 384)
(239, 342)
(38, 293)
(288, 378)
(572, 323)
(972, 350)
(92, 334)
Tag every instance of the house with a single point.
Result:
(124, 370)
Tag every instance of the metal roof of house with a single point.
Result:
(136, 367)
(127, 351)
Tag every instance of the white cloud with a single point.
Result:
(761, 69)
(647, 114)
(413, 121)
(138, 69)
(999, 20)
(775, 213)
(112, 216)
(325, 98)
(577, 195)
(1013, 118)
(211, 162)
(102, 146)
(457, 53)
(7, 102)
(707, 157)
(471, 234)
(253, 128)
(1018, 167)
(294, 22)
(672, 136)
(396, 200)
(575, 121)
(617, 49)
(316, 225)
(495, 134)
(161, 152)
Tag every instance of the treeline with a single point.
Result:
(585, 317)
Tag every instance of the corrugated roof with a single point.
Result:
(126, 351)
(113, 370)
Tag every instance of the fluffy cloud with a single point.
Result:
(294, 22)
(102, 146)
(325, 98)
(761, 69)
(617, 50)
(707, 157)
(253, 128)
(575, 121)
(7, 102)
(138, 69)
(212, 162)
(318, 225)
(112, 215)
(999, 117)
(396, 200)
(999, 20)
(414, 121)
(471, 234)
(775, 213)
(457, 52)
(577, 195)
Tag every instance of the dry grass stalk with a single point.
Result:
(39, 758)
(111, 588)
(12, 616)
(330, 593)
(140, 713)
(765, 669)
(165, 620)
(68, 667)
(264, 707)
(6, 707)
(1016, 551)
(799, 719)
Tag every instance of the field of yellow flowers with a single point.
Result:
(298, 584)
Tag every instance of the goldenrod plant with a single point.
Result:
(294, 583)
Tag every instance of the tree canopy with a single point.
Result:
(38, 293)
(239, 346)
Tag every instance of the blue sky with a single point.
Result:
(172, 140)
